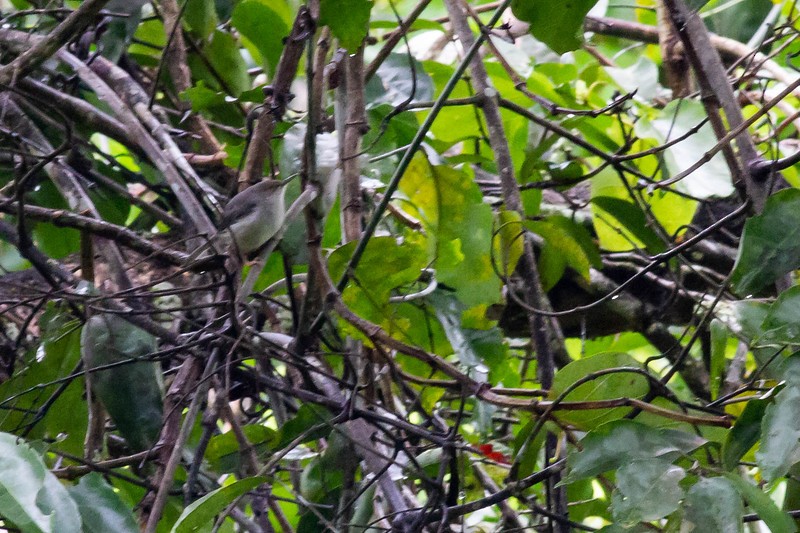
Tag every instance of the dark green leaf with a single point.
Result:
(744, 434)
(263, 27)
(30, 496)
(347, 19)
(623, 441)
(713, 504)
(202, 512)
(100, 507)
(780, 434)
(557, 24)
(647, 489)
(770, 245)
(606, 387)
(310, 421)
(762, 504)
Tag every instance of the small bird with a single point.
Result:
(252, 217)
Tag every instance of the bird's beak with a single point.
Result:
(288, 180)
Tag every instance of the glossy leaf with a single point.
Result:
(622, 441)
(30, 496)
(101, 508)
(607, 387)
(647, 489)
(780, 434)
(347, 19)
(202, 512)
(556, 24)
(713, 504)
(770, 245)
(762, 504)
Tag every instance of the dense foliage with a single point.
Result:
(538, 271)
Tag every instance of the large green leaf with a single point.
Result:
(781, 326)
(477, 350)
(384, 267)
(23, 395)
(770, 246)
(30, 496)
(762, 504)
(263, 27)
(647, 489)
(620, 442)
(202, 512)
(101, 508)
(676, 120)
(557, 24)
(780, 434)
(400, 78)
(713, 504)
(347, 19)
(459, 227)
(122, 377)
(607, 387)
(744, 434)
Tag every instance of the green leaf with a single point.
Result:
(677, 120)
(557, 24)
(201, 17)
(459, 227)
(775, 519)
(744, 434)
(508, 242)
(770, 245)
(633, 222)
(719, 344)
(224, 452)
(647, 489)
(781, 326)
(263, 27)
(30, 496)
(202, 512)
(398, 79)
(224, 55)
(477, 350)
(123, 379)
(347, 19)
(385, 266)
(622, 441)
(569, 243)
(310, 421)
(100, 507)
(713, 504)
(780, 434)
(607, 387)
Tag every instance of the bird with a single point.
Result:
(252, 217)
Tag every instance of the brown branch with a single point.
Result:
(44, 48)
(277, 98)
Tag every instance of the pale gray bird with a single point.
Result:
(252, 217)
